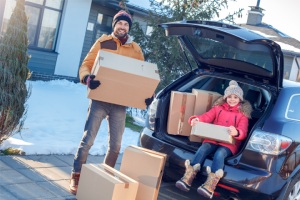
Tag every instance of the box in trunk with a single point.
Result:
(212, 131)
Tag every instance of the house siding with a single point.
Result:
(288, 62)
(142, 22)
(90, 34)
(88, 40)
(74, 40)
(42, 62)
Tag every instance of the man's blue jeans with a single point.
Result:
(218, 158)
(98, 110)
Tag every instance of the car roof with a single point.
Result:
(216, 45)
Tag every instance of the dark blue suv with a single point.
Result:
(267, 165)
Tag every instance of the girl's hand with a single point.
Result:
(232, 131)
(194, 121)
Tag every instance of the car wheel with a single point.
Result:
(293, 191)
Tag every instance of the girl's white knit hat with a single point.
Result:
(233, 88)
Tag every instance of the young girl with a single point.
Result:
(232, 111)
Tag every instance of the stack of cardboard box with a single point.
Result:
(183, 105)
(139, 177)
(181, 109)
(128, 82)
(146, 167)
(104, 182)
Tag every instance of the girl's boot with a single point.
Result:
(208, 188)
(190, 172)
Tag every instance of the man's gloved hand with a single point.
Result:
(90, 82)
(148, 101)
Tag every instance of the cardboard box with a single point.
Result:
(195, 138)
(212, 131)
(204, 100)
(180, 110)
(124, 81)
(105, 183)
(146, 167)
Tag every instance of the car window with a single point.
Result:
(255, 54)
(293, 108)
(208, 84)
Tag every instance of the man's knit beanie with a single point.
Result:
(233, 88)
(122, 15)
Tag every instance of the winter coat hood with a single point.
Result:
(243, 107)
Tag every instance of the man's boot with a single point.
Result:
(208, 188)
(185, 182)
(74, 182)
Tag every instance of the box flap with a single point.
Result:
(145, 166)
(104, 182)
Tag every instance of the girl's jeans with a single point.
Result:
(98, 110)
(218, 158)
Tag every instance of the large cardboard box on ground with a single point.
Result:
(124, 81)
(204, 100)
(146, 167)
(212, 131)
(180, 110)
(105, 183)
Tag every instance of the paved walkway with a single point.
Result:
(44, 177)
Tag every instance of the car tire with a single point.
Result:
(293, 191)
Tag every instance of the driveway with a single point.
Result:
(47, 177)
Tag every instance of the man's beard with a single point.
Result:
(120, 35)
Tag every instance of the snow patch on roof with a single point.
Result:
(263, 34)
(279, 32)
(140, 3)
(288, 47)
(282, 45)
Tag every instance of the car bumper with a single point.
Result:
(240, 181)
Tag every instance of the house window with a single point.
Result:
(103, 25)
(149, 30)
(43, 21)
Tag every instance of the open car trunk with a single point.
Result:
(258, 97)
(219, 53)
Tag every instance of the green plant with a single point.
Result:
(130, 123)
(12, 151)
(165, 51)
(13, 73)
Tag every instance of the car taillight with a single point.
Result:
(268, 143)
(152, 114)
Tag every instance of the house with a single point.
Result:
(289, 45)
(61, 32)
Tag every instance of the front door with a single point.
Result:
(103, 25)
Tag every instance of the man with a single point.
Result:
(118, 42)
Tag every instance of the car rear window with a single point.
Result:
(253, 53)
